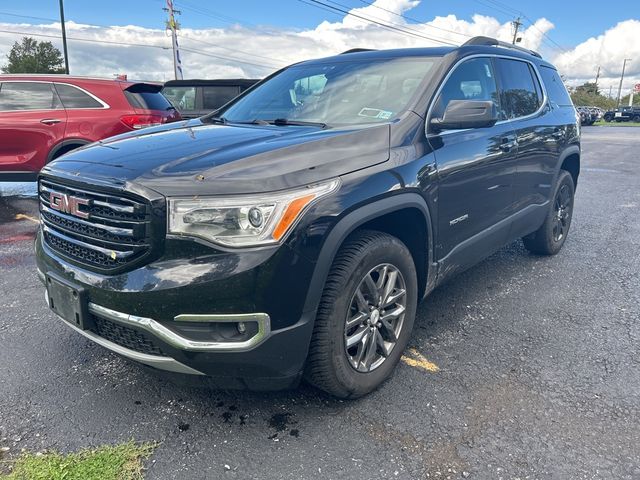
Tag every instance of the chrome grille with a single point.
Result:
(113, 231)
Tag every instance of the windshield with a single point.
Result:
(342, 92)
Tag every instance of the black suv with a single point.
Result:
(294, 233)
(623, 114)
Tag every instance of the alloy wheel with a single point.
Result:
(375, 317)
(562, 210)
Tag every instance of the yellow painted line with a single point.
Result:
(22, 216)
(419, 361)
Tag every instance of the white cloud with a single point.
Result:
(238, 51)
(609, 51)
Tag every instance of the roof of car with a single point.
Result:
(482, 45)
(365, 54)
(52, 77)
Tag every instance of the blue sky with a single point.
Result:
(574, 20)
(112, 37)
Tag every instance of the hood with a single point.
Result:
(193, 158)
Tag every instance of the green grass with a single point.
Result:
(602, 123)
(120, 462)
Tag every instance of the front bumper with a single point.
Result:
(139, 312)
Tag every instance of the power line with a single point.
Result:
(510, 11)
(369, 17)
(29, 16)
(557, 45)
(261, 65)
(213, 55)
(497, 9)
(142, 45)
(210, 13)
(109, 42)
(382, 24)
(409, 30)
(183, 37)
(407, 17)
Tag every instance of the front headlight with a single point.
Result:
(243, 221)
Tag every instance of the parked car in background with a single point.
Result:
(587, 115)
(597, 111)
(195, 98)
(623, 114)
(45, 116)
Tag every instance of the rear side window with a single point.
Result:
(28, 96)
(215, 97)
(73, 97)
(184, 98)
(520, 96)
(147, 97)
(555, 87)
(471, 80)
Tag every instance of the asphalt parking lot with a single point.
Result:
(538, 372)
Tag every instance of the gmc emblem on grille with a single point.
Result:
(68, 204)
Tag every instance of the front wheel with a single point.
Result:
(365, 316)
(550, 237)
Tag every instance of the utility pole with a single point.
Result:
(173, 27)
(516, 25)
(64, 39)
(624, 64)
(597, 77)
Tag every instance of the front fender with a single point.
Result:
(349, 223)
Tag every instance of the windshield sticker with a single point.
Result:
(375, 113)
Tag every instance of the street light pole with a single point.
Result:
(624, 64)
(64, 40)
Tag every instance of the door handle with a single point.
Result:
(50, 121)
(507, 143)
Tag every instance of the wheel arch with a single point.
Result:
(386, 215)
(64, 146)
(570, 161)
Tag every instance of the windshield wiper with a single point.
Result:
(220, 120)
(286, 121)
(251, 122)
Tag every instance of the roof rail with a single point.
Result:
(497, 43)
(356, 50)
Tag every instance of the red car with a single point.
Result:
(45, 116)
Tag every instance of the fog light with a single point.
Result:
(242, 327)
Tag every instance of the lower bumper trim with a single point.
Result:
(167, 364)
(162, 363)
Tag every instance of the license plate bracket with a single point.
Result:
(68, 301)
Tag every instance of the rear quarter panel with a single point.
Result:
(94, 124)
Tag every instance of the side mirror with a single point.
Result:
(461, 114)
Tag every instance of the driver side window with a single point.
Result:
(473, 79)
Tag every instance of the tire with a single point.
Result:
(608, 118)
(331, 365)
(550, 237)
(636, 118)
